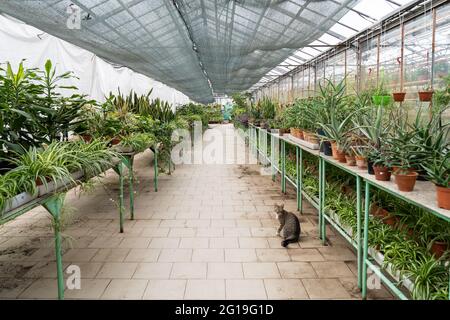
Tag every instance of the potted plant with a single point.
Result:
(399, 96)
(438, 171)
(426, 94)
(381, 165)
(350, 158)
(360, 153)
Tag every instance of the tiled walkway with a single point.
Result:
(208, 233)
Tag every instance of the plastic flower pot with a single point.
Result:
(341, 156)
(115, 141)
(381, 100)
(382, 173)
(399, 96)
(426, 96)
(438, 248)
(370, 167)
(361, 162)
(443, 197)
(405, 181)
(350, 160)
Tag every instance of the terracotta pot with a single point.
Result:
(39, 182)
(115, 141)
(399, 96)
(406, 182)
(382, 173)
(361, 162)
(390, 220)
(438, 248)
(351, 160)
(301, 134)
(443, 197)
(86, 138)
(425, 96)
(334, 150)
(340, 156)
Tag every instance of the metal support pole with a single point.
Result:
(366, 240)
(155, 164)
(120, 168)
(272, 156)
(54, 206)
(358, 226)
(320, 199)
(323, 223)
(130, 185)
(283, 166)
(297, 175)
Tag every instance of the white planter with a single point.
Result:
(18, 200)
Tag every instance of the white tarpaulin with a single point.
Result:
(97, 78)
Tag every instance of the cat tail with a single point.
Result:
(291, 239)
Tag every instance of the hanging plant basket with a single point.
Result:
(426, 96)
(381, 100)
(399, 96)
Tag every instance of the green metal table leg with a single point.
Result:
(366, 240)
(358, 226)
(54, 206)
(283, 166)
(323, 223)
(297, 175)
(130, 186)
(320, 199)
(121, 206)
(155, 164)
(272, 156)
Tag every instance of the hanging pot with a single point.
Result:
(405, 182)
(381, 100)
(443, 197)
(426, 96)
(399, 96)
(382, 173)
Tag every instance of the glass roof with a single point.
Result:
(361, 16)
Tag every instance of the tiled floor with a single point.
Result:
(208, 233)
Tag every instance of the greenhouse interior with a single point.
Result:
(225, 150)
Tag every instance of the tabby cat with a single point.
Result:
(290, 225)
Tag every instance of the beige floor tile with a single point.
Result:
(305, 255)
(164, 243)
(135, 243)
(117, 270)
(105, 242)
(175, 255)
(198, 223)
(121, 289)
(208, 255)
(229, 270)
(209, 232)
(110, 255)
(41, 289)
(205, 290)
(79, 254)
(245, 290)
(188, 270)
(325, 289)
(247, 243)
(331, 269)
(291, 270)
(143, 255)
(236, 232)
(157, 270)
(182, 232)
(165, 290)
(285, 289)
(155, 232)
(90, 289)
(240, 255)
(221, 223)
(264, 232)
(223, 243)
(260, 270)
(194, 243)
(272, 255)
(12, 287)
(87, 269)
(337, 253)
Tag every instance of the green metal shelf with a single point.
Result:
(423, 197)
